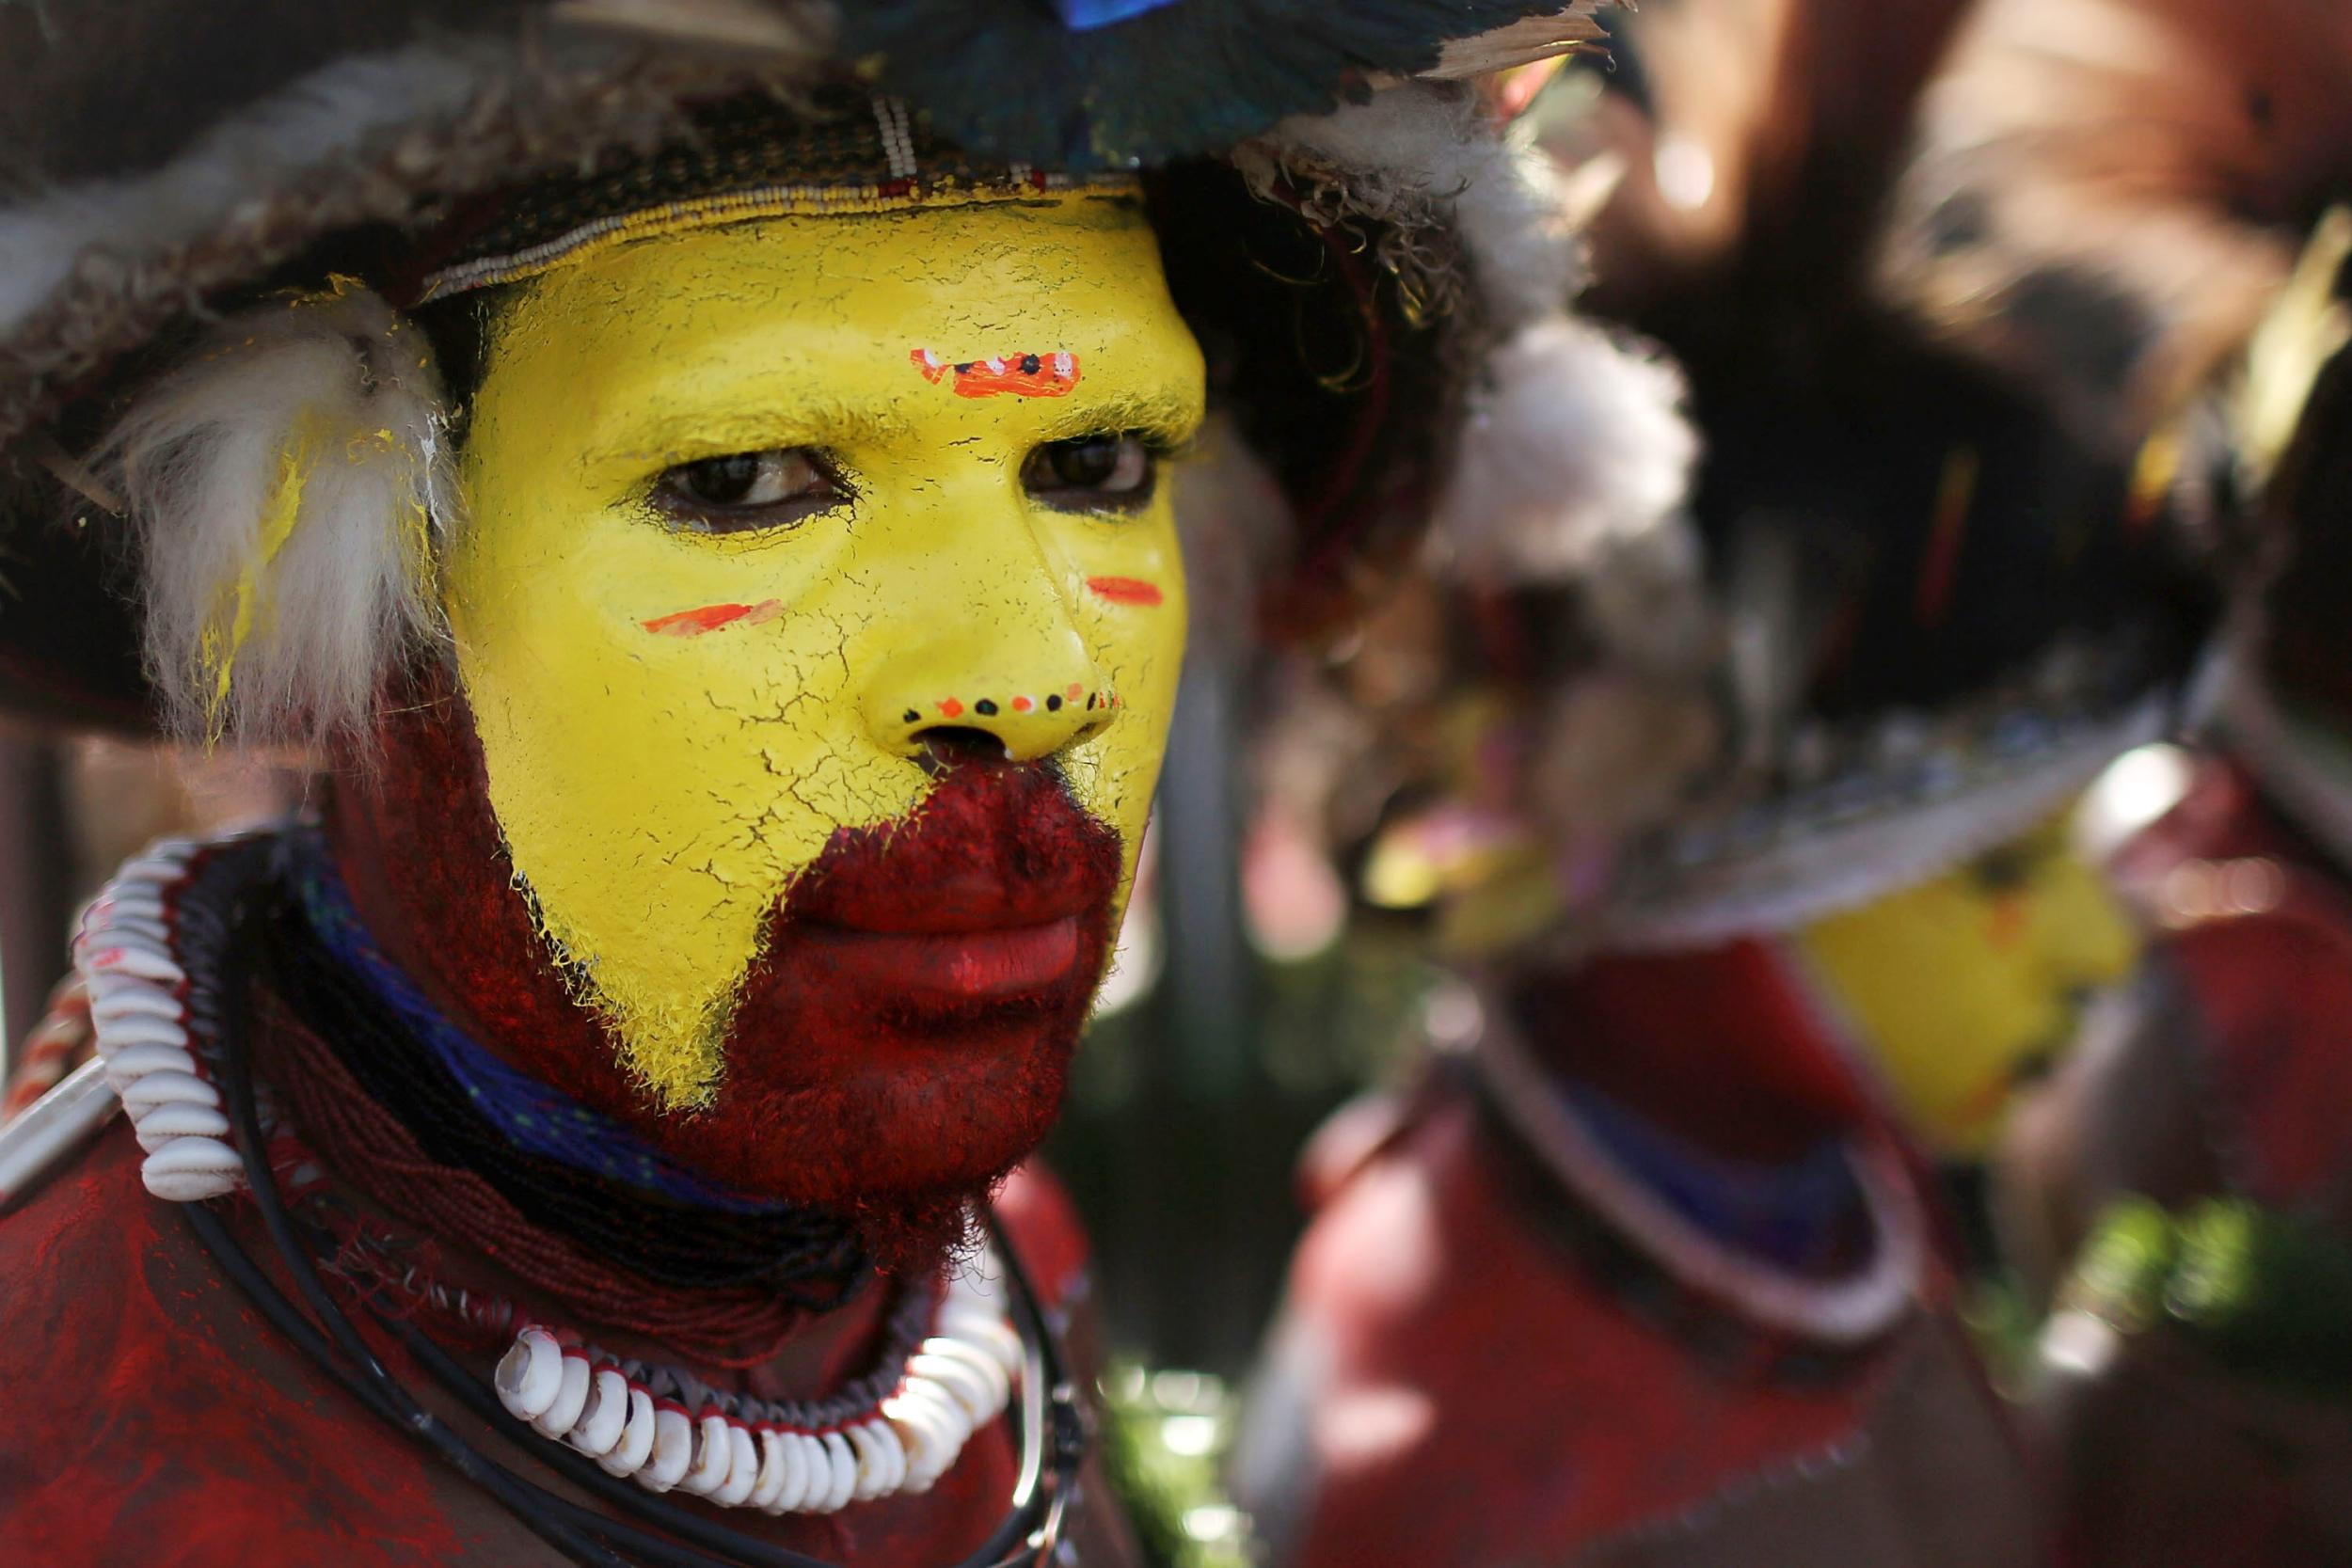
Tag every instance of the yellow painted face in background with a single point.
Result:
(754, 507)
(1958, 985)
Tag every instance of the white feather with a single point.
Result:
(349, 387)
(1576, 446)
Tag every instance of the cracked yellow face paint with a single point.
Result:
(1959, 984)
(674, 723)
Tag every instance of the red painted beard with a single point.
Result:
(903, 1040)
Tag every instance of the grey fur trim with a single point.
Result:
(1878, 852)
(92, 271)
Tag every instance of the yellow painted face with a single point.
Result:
(752, 508)
(1959, 984)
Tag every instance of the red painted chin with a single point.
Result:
(903, 1039)
(910, 1022)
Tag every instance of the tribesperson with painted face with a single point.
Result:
(1750, 837)
(706, 482)
(2169, 178)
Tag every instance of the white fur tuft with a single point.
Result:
(1418, 154)
(1576, 446)
(255, 632)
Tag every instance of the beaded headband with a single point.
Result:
(749, 159)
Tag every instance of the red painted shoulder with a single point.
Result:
(158, 1421)
(1451, 1353)
(2259, 933)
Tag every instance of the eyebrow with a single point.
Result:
(811, 423)
(1168, 419)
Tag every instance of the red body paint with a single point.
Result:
(1465, 1326)
(711, 617)
(1133, 590)
(841, 1086)
(1023, 374)
(167, 1423)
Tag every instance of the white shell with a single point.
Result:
(605, 1416)
(192, 1157)
(131, 1061)
(881, 1460)
(923, 1433)
(742, 1467)
(189, 1186)
(127, 924)
(129, 896)
(843, 1478)
(713, 1456)
(629, 1454)
(970, 1388)
(810, 1472)
(140, 1029)
(571, 1397)
(985, 1330)
(948, 1425)
(155, 940)
(992, 1371)
(113, 997)
(776, 1469)
(956, 1380)
(155, 868)
(956, 1420)
(160, 1124)
(123, 898)
(531, 1374)
(163, 1088)
(122, 957)
(672, 1449)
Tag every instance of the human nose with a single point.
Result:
(1008, 668)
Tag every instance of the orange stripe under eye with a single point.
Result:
(711, 617)
(1133, 590)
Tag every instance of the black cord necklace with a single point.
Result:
(1048, 1426)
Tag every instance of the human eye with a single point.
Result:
(2004, 871)
(1093, 473)
(746, 491)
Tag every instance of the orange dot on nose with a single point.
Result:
(951, 709)
(1073, 691)
(1022, 705)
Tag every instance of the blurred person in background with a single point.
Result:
(1750, 845)
(2114, 195)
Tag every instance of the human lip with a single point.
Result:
(965, 902)
(997, 964)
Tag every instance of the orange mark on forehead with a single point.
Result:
(1133, 590)
(1023, 374)
(711, 617)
